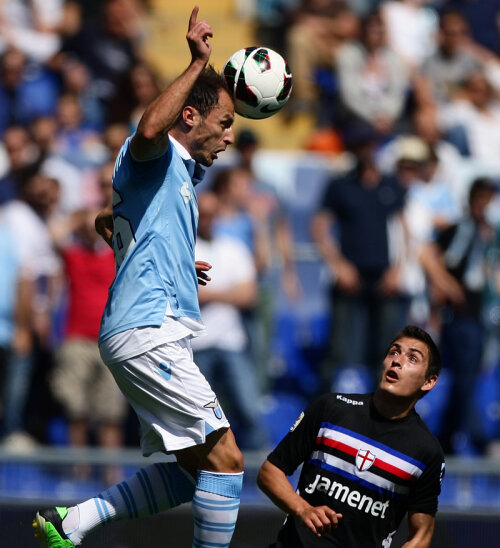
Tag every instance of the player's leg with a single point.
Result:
(218, 466)
(176, 409)
(152, 489)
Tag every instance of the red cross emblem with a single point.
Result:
(364, 459)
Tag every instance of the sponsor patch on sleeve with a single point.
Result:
(441, 475)
(297, 422)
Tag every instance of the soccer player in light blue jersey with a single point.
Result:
(152, 313)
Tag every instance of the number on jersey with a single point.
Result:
(123, 235)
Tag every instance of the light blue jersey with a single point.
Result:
(155, 216)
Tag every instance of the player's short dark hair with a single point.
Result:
(414, 332)
(204, 95)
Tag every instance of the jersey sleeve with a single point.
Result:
(424, 494)
(130, 173)
(297, 445)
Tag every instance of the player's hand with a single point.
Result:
(201, 272)
(319, 519)
(197, 36)
(104, 225)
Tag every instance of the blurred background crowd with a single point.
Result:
(390, 215)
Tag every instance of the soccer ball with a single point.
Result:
(260, 80)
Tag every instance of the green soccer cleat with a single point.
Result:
(48, 528)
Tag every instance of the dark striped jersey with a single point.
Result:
(370, 469)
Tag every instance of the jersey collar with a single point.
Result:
(195, 170)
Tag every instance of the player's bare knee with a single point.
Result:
(235, 461)
(225, 456)
(231, 464)
(228, 460)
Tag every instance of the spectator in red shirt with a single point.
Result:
(80, 381)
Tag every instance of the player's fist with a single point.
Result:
(319, 519)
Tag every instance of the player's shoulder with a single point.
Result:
(424, 438)
(126, 158)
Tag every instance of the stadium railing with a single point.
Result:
(65, 474)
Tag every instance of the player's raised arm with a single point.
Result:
(151, 138)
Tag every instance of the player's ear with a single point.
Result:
(429, 383)
(190, 116)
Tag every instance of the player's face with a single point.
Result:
(404, 368)
(214, 133)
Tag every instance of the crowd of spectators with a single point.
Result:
(73, 83)
(410, 91)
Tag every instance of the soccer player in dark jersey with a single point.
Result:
(368, 459)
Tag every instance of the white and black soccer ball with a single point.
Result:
(260, 80)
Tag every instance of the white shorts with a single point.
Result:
(174, 402)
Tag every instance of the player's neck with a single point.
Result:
(392, 407)
(180, 136)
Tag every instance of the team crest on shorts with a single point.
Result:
(364, 459)
(215, 407)
(165, 370)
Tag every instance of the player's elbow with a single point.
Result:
(264, 477)
(261, 481)
(152, 127)
(148, 132)
(149, 141)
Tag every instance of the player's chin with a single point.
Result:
(389, 386)
(208, 160)
(205, 159)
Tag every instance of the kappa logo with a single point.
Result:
(186, 192)
(364, 459)
(349, 401)
(215, 407)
